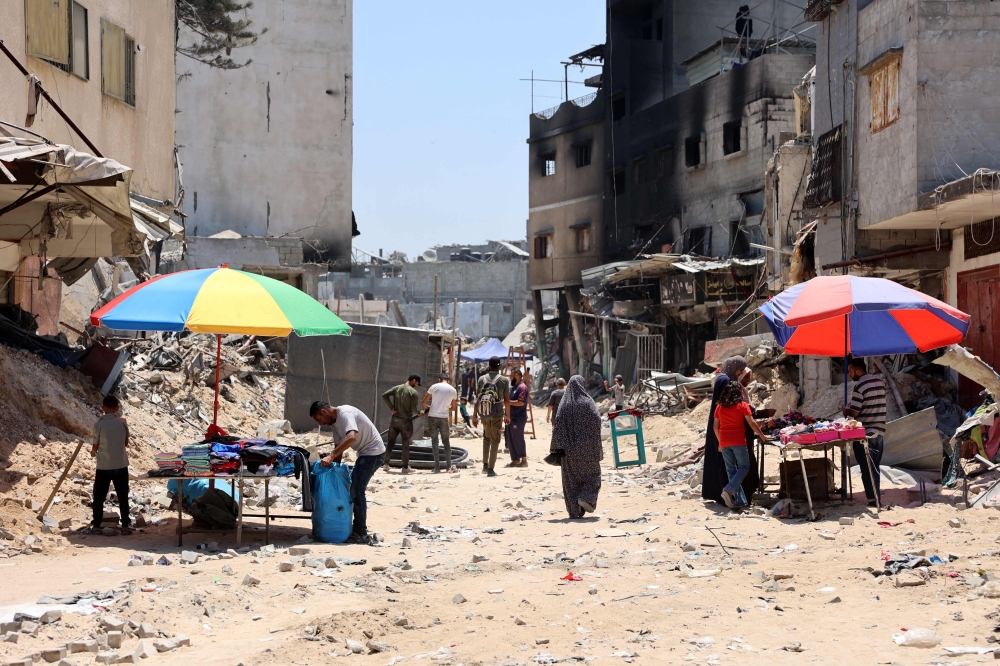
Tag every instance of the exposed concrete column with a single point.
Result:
(540, 351)
(573, 300)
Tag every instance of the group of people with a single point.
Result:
(730, 474)
(500, 403)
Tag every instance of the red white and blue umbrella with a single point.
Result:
(843, 314)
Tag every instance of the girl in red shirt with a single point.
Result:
(732, 414)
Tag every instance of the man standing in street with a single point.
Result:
(618, 391)
(403, 401)
(554, 398)
(110, 439)
(439, 401)
(353, 430)
(493, 407)
(868, 406)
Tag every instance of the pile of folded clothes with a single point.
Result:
(225, 458)
(169, 463)
(197, 461)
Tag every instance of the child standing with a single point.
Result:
(110, 439)
(464, 409)
(731, 417)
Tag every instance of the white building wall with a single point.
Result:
(267, 149)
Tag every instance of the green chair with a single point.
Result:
(628, 422)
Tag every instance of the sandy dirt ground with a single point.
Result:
(661, 591)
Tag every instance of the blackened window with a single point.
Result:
(738, 240)
(692, 151)
(582, 155)
(659, 30)
(549, 164)
(981, 238)
(543, 247)
(618, 108)
(619, 183)
(732, 137)
(700, 241)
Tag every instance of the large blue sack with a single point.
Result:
(331, 516)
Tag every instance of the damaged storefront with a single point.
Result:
(662, 309)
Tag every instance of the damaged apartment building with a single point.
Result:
(489, 282)
(87, 165)
(667, 159)
(266, 149)
(895, 168)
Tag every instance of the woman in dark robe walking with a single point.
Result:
(576, 431)
(714, 477)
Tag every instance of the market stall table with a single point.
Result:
(233, 480)
(845, 446)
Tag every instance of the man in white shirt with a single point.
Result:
(439, 401)
(353, 430)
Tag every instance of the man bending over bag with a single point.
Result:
(353, 430)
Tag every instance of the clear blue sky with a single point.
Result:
(440, 117)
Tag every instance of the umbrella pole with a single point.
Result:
(218, 362)
(847, 332)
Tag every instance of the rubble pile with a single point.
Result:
(167, 393)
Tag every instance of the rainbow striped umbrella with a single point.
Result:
(219, 301)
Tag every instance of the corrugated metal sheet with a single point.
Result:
(884, 88)
(913, 442)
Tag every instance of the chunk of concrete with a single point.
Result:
(114, 639)
(82, 646)
(52, 655)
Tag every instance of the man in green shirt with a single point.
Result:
(493, 407)
(404, 402)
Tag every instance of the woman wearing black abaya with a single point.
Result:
(576, 431)
(714, 477)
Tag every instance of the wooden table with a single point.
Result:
(845, 446)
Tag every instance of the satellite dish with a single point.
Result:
(430, 255)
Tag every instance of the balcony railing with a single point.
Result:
(586, 100)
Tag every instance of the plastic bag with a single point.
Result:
(918, 638)
(332, 515)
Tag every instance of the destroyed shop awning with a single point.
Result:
(955, 204)
(59, 202)
(657, 265)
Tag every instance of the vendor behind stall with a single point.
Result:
(868, 406)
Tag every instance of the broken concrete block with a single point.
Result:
(541, 641)
(331, 563)
(82, 646)
(228, 570)
(287, 565)
(146, 630)
(114, 639)
(519, 622)
(313, 562)
(53, 655)
(355, 647)
(250, 579)
(146, 650)
(401, 621)
(29, 628)
(299, 550)
(955, 522)
(782, 576)
(846, 520)
(9, 637)
(112, 623)
(458, 599)
(148, 560)
(189, 557)
(478, 557)
(107, 657)
(168, 644)
(50, 616)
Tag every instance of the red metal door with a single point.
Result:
(978, 294)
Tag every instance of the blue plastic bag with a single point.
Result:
(332, 515)
(195, 487)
